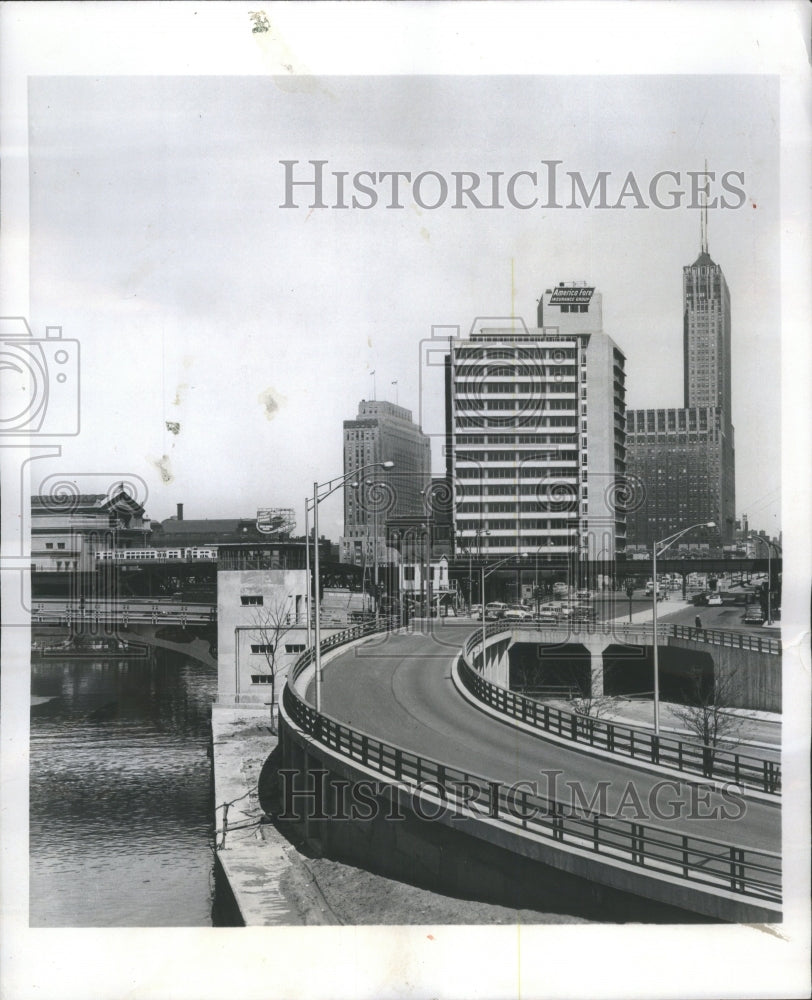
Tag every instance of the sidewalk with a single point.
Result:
(255, 856)
(760, 732)
(666, 606)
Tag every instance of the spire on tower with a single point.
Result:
(703, 223)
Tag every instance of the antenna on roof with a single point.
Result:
(703, 225)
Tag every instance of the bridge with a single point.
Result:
(123, 611)
(496, 790)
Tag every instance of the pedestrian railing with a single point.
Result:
(711, 864)
(629, 633)
(643, 745)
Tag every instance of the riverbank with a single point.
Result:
(277, 883)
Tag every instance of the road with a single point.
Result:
(401, 691)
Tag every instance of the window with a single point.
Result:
(294, 647)
(60, 545)
(49, 545)
(261, 647)
(261, 679)
(247, 599)
(408, 572)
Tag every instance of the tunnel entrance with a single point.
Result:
(550, 670)
(686, 675)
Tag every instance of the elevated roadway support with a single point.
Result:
(455, 798)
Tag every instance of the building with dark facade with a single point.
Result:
(381, 432)
(684, 457)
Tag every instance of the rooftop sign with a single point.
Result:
(571, 296)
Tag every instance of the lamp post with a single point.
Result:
(308, 597)
(665, 543)
(329, 487)
(483, 578)
(769, 545)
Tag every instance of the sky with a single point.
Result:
(158, 241)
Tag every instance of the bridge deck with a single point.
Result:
(399, 689)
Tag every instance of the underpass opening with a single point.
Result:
(685, 675)
(550, 669)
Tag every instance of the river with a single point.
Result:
(121, 826)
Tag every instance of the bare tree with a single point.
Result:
(271, 623)
(707, 714)
(586, 701)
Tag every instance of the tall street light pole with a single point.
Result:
(665, 543)
(330, 487)
(769, 545)
(483, 578)
(308, 596)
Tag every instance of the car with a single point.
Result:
(700, 600)
(495, 610)
(714, 600)
(753, 615)
(547, 619)
(517, 613)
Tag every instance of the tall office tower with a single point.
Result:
(381, 432)
(535, 419)
(685, 457)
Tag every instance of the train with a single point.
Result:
(157, 555)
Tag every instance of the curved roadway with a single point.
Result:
(399, 689)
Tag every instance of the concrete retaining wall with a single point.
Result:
(483, 859)
(754, 678)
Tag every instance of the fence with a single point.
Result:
(747, 872)
(627, 633)
(640, 744)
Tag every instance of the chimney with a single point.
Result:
(180, 511)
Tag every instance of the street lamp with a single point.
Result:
(329, 487)
(483, 578)
(769, 545)
(372, 488)
(665, 543)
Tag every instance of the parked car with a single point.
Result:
(700, 600)
(714, 600)
(753, 615)
(495, 610)
(517, 613)
(547, 618)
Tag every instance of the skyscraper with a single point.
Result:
(381, 432)
(536, 428)
(684, 457)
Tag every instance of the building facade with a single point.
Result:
(684, 457)
(66, 532)
(381, 432)
(535, 420)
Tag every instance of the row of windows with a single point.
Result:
(528, 542)
(532, 419)
(561, 446)
(540, 405)
(521, 472)
(504, 507)
(478, 389)
(267, 647)
(523, 489)
(530, 524)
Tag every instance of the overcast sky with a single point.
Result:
(158, 241)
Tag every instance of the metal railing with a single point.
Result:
(155, 613)
(747, 872)
(745, 770)
(624, 630)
